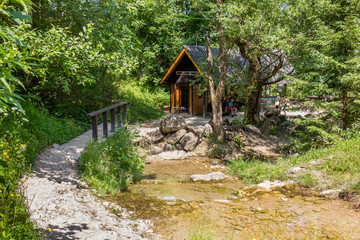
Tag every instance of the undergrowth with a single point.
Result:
(112, 165)
(144, 103)
(22, 136)
(338, 167)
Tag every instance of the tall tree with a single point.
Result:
(217, 86)
(329, 40)
(260, 31)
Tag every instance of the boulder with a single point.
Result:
(197, 130)
(334, 193)
(168, 147)
(272, 112)
(172, 123)
(173, 155)
(209, 177)
(201, 149)
(154, 136)
(252, 129)
(175, 137)
(227, 122)
(189, 141)
(229, 135)
(287, 124)
(208, 129)
(269, 123)
(155, 149)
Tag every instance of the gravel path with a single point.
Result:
(58, 200)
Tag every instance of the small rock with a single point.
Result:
(214, 163)
(334, 193)
(209, 177)
(295, 170)
(317, 162)
(268, 185)
(106, 204)
(252, 129)
(168, 147)
(55, 145)
(208, 129)
(272, 112)
(179, 146)
(229, 135)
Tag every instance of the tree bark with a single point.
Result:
(252, 104)
(344, 115)
(216, 92)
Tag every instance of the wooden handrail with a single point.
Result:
(105, 109)
(104, 112)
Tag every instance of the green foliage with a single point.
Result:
(144, 102)
(255, 171)
(203, 233)
(112, 165)
(338, 167)
(13, 51)
(22, 137)
(306, 180)
(327, 51)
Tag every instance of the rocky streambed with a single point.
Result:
(228, 209)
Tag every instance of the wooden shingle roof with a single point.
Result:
(198, 56)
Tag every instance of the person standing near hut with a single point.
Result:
(277, 101)
(286, 105)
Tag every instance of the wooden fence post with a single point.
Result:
(94, 121)
(119, 116)
(105, 124)
(124, 114)
(112, 116)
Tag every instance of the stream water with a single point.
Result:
(178, 207)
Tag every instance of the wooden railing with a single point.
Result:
(104, 112)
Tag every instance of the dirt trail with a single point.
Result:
(58, 200)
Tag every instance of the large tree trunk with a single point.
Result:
(344, 115)
(252, 103)
(216, 93)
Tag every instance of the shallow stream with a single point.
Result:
(179, 208)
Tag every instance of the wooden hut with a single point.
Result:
(190, 66)
(182, 77)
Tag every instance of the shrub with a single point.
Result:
(112, 165)
(22, 136)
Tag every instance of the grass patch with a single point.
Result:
(203, 233)
(112, 165)
(145, 103)
(339, 167)
(22, 137)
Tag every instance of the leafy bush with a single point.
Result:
(144, 102)
(110, 166)
(22, 136)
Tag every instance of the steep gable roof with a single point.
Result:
(198, 56)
